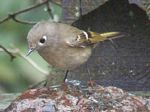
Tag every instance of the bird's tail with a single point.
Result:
(112, 35)
(98, 37)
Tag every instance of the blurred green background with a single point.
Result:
(17, 75)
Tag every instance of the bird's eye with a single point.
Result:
(42, 40)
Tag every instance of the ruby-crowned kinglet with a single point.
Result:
(64, 46)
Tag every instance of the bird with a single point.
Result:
(64, 46)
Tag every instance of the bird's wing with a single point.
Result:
(90, 39)
(81, 41)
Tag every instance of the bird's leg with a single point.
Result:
(66, 74)
(39, 84)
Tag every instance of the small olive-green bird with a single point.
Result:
(64, 46)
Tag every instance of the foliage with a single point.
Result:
(17, 75)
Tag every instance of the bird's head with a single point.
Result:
(40, 36)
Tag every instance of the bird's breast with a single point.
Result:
(65, 57)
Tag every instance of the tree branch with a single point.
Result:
(23, 22)
(16, 52)
(8, 52)
(80, 7)
(49, 10)
(14, 15)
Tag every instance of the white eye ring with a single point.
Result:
(42, 40)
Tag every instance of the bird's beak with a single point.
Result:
(30, 51)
